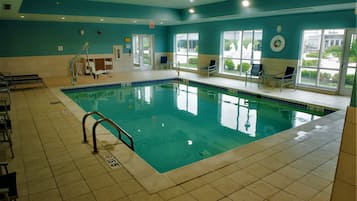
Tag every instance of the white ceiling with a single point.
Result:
(164, 3)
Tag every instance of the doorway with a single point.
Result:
(143, 51)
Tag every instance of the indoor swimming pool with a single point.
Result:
(178, 122)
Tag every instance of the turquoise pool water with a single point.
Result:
(174, 123)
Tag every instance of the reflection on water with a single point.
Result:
(188, 123)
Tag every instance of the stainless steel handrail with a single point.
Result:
(120, 132)
(112, 123)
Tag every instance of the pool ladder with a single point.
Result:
(112, 123)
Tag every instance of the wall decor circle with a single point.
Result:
(277, 43)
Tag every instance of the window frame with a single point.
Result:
(187, 54)
(240, 42)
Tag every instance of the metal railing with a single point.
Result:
(112, 123)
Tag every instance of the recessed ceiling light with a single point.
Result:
(135, 21)
(245, 3)
(192, 1)
(101, 19)
(63, 18)
(191, 10)
(22, 16)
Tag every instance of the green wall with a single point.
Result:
(18, 38)
(292, 27)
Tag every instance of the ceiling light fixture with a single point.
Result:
(22, 16)
(101, 19)
(192, 1)
(191, 10)
(63, 18)
(245, 3)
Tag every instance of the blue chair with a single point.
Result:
(255, 70)
(163, 62)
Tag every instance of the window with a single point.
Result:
(320, 58)
(186, 50)
(239, 50)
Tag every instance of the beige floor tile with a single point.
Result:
(257, 170)
(52, 195)
(85, 197)
(245, 195)
(74, 189)
(212, 176)
(120, 175)
(206, 193)
(193, 184)
(242, 178)
(301, 191)
(272, 163)
(263, 189)
(227, 170)
(184, 197)
(322, 196)
(38, 186)
(62, 168)
(130, 186)
(291, 172)
(69, 178)
(314, 181)
(278, 180)
(226, 185)
(40, 174)
(93, 170)
(109, 193)
(284, 196)
(172, 192)
(144, 196)
(100, 181)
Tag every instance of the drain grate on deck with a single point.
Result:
(111, 161)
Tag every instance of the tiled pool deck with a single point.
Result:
(52, 163)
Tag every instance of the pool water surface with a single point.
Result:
(175, 123)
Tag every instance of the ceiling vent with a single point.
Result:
(7, 6)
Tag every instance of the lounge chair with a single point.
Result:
(257, 71)
(211, 68)
(286, 78)
(14, 80)
(8, 188)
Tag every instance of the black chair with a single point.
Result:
(13, 80)
(211, 68)
(256, 70)
(286, 78)
(8, 188)
(163, 62)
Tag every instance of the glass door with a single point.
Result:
(143, 50)
(349, 63)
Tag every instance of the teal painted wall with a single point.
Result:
(292, 25)
(19, 38)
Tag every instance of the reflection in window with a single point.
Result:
(237, 114)
(144, 94)
(187, 99)
(303, 118)
(320, 58)
(239, 50)
(186, 50)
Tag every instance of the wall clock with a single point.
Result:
(277, 43)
